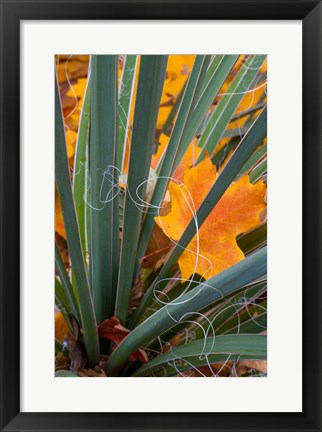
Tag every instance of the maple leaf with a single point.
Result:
(237, 211)
(78, 89)
(250, 99)
(113, 330)
(97, 372)
(76, 67)
(188, 159)
(159, 245)
(59, 221)
(61, 327)
(71, 137)
(178, 69)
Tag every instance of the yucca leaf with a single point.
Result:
(225, 109)
(235, 132)
(210, 65)
(63, 183)
(253, 325)
(216, 314)
(258, 171)
(253, 160)
(88, 213)
(202, 83)
(177, 134)
(104, 235)
(253, 346)
(216, 60)
(213, 65)
(175, 292)
(237, 310)
(224, 65)
(255, 238)
(239, 322)
(150, 84)
(246, 323)
(62, 304)
(247, 146)
(166, 129)
(184, 368)
(248, 111)
(221, 155)
(226, 309)
(65, 314)
(183, 133)
(65, 374)
(124, 104)
(66, 285)
(210, 70)
(58, 346)
(80, 166)
(223, 284)
(192, 102)
(60, 295)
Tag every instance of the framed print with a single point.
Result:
(160, 214)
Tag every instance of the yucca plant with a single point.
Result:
(165, 272)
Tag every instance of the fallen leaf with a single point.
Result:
(163, 142)
(251, 367)
(136, 293)
(78, 89)
(61, 361)
(97, 372)
(61, 327)
(72, 67)
(178, 69)
(159, 240)
(250, 99)
(59, 221)
(151, 260)
(112, 329)
(63, 249)
(71, 137)
(213, 370)
(188, 160)
(75, 346)
(237, 211)
(158, 247)
(247, 367)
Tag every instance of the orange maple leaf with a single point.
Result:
(61, 327)
(215, 248)
(188, 159)
(178, 69)
(59, 221)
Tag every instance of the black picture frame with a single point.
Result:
(12, 12)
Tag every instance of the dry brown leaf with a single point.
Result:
(243, 366)
(112, 329)
(97, 372)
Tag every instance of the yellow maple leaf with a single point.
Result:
(76, 67)
(250, 99)
(188, 159)
(71, 137)
(61, 327)
(59, 221)
(214, 249)
(78, 89)
(178, 69)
